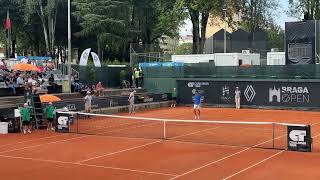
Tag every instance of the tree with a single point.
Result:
(104, 19)
(47, 11)
(257, 14)
(185, 48)
(275, 37)
(199, 11)
(154, 18)
(298, 8)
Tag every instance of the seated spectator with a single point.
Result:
(51, 79)
(99, 89)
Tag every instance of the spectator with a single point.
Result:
(51, 79)
(99, 89)
(20, 80)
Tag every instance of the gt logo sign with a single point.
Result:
(297, 135)
(299, 138)
(63, 120)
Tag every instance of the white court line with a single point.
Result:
(27, 147)
(106, 127)
(87, 165)
(226, 157)
(214, 162)
(120, 151)
(117, 130)
(54, 142)
(256, 164)
(175, 137)
(32, 140)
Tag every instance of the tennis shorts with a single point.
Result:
(196, 106)
(50, 119)
(25, 123)
(87, 108)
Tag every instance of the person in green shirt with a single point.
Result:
(174, 97)
(25, 116)
(50, 115)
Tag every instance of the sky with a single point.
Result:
(282, 13)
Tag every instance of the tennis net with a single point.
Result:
(231, 133)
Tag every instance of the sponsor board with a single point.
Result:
(62, 122)
(256, 92)
(226, 94)
(299, 138)
(197, 84)
(289, 94)
(249, 93)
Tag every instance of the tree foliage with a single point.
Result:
(199, 12)
(298, 7)
(183, 49)
(257, 15)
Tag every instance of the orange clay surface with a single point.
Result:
(239, 153)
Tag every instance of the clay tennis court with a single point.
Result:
(132, 149)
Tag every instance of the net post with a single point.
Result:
(164, 130)
(273, 134)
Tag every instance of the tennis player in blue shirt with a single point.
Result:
(197, 104)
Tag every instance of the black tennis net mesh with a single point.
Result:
(231, 133)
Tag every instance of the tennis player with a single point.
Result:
(49, 114)
(25, 116)
(197, 105)
(131, 101)
(237, 94)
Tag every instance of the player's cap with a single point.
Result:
(50, 103)
(88, 92)
(237, 87)
(25, 104)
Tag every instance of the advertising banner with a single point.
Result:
(258, 93)
(84, 57)
(299, 138)
(62, 122)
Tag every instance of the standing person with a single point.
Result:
(25, 116)
(137, 77)
(50, 115)
(87, 102)
(174, 97)
(131, 102)
(140, 78)
(197, 105)
(237, 93)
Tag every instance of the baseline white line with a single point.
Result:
(256, 164)
(86, 165)
(120, 151)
